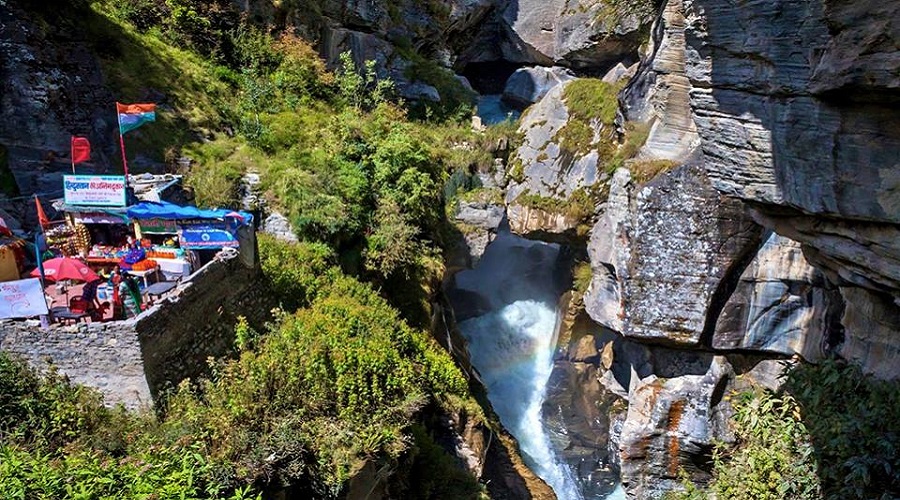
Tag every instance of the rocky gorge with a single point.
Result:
(719, 201)
(768, 237)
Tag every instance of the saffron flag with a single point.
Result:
(42, 217)
(81, 150)
(132, 116)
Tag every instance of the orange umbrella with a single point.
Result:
(65, 268)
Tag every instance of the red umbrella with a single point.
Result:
(65, 268)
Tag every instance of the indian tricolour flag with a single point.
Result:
(132, 116)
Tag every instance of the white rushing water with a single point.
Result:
(511, 344)
(512, 349)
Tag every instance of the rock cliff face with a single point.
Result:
(50, 88)
(776, 235)
(582, 34)
(801, 124)
(793, 105)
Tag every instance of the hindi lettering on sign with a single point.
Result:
(94, 190)
(22, 299)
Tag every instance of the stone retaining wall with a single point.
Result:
(132, 362)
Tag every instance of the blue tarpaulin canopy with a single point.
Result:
(166, 210)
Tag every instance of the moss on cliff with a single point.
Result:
(592, 106)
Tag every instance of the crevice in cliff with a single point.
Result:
(726, 287)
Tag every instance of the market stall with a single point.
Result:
(195, 230)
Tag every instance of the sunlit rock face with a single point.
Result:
(795, 104)
(664, 257)
(668, 422)
(781, 305)
(581, 34)
(660, 92)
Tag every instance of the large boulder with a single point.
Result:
(544, 176)
(672, 424)
(582, 34)
(527, 86)
(665, 257)
(781, 305)
(802, 124)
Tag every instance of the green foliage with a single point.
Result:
(434, 473)
(360, 88)
(645, 170)
(57, 440)
(592, 106)
(392, 244)
(613, 12)
(164, 473)
(579, 207)
(592, 99)
(297, 272)
(217, 171)
(582, 274)
(831, 432)
(493, 196)
(517, 171)
(456, 101)
(43, 409)
(328, 389)
(774, 459)
(854, 429)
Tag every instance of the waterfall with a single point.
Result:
(512, 349)
(511, 344)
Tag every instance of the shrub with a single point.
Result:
(774, 458)
(297, 272)
(853, 426)
(830, 432)
(328, 389)
(582, 274)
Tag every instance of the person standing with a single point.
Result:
(130, 295)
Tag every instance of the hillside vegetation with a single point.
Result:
(324, 392)
(344, 378)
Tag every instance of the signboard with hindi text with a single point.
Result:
(158, 226)
(206, 235)
(94, 190)
(22, 299)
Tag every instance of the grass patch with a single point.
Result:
(579, 207)
(491, 196)
(137, 65)
(589, 98)
(592, 106)
(643, 171)
(582, 274)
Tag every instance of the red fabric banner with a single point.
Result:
(42, 217)
(81, 150)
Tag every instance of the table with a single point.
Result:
(159, 288)
(64, 314)
(143, 274)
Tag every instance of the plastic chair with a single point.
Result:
(78, 305)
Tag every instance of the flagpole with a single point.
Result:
(122, 145)
(46, 319)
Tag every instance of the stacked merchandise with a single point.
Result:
(64, 239)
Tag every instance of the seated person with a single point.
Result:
(89, 293)
(89, 297)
